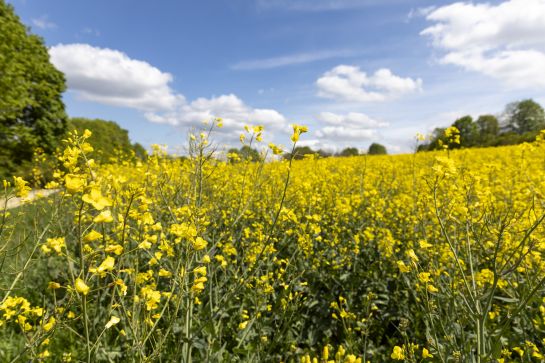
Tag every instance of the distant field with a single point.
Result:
(434, 257)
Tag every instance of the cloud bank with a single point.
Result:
(111, 77)
(349, 83)
(504, 41)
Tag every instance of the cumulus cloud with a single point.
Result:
(234, 112)
(351, 119)
(345, 128)
(109, 76)
(345, 133)
(349, 83)
(504, 41)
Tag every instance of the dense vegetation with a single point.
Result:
(425, 257)
(108, 138)
(521, 122)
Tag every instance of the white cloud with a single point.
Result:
(420, 12)
(349, 83)
(353, 127)
(345, 133)
(43, 23)
(351, 119)
(320, 144)
(504, 41)
(291, 59)
(234, 112)
(109, 76)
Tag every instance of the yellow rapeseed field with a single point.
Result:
(426, 257)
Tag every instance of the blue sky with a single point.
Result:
(354, 71)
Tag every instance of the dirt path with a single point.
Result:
(34, 194)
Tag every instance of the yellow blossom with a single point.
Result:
(402, 267)
(201, 270)
(81, 287)
(21, 187)
(426, 353)
(55, 244)
(116, 249)
(104, 217)
(50, 324)
(53, 285)
(113, 321)
(164, 273)
(398, 353)
(106, 265)
(74, 183)
(199, 244)
(96, 199)
(92, 236)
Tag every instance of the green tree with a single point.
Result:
(31, 109)
(488, 129)
(299, 152)
(350, 151)
(245, 153)
(438, 139)
(468, 131)
(376, 149)
(139, 151)
(323, 153)
(525, 116)
(108, 138)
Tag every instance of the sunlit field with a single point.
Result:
(425, 257)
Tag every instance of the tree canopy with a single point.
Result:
(521, 122)
(299, 152)
(349, 151)
(468, 131)
(524, 116)
(31, 109)
(376, 149)
(245, 153)
(488, 128)
(108, 138)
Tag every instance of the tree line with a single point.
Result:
(520, 122)
(301, 151)
(247, 153)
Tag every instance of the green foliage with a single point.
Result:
(488, 128)
(525, 116)
(468, 131)
(31, 109)
(324, 153)
(376, 149)
(246, 153)
(523, 121)
(139, 151)
(299, 152)
(350, 151)
(108, 138)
